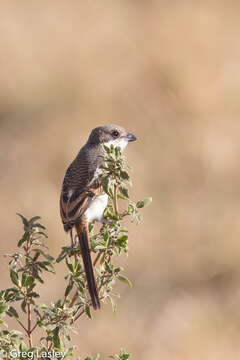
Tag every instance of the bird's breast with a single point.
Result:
(96, 208)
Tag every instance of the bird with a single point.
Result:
(83, 199)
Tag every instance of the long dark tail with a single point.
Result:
(84, 241)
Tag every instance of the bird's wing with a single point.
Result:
(80, 186)
(74, 204)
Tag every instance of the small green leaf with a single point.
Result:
(12, 312)
(142, 203)
(97, 357)
(33, 294)
(70, 266)
(68, 289)
(125, 280)
(3, 308)
(23, 306)
(24, 220)
(124, 192)
(56, 338)
(43, 306)
(114, 306)
(38, 225)
(100, 247)
(33, 219)
(123, 240)
(24, 278)
(14, 277)
(22, 347)
(124, 175)
(25, 237)
(30, 280)
(88, 311)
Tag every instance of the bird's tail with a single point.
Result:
(84, 241)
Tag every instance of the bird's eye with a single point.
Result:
(115, 133)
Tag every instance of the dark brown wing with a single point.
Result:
(73, 207)
(80, 186)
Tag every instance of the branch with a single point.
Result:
(115, 202)
(80, 314)
(20, 323)
(29, 332)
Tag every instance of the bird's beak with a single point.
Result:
(131, 137)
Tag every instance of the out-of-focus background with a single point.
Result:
(168, 72)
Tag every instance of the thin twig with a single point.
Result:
(20, 323)
(83, 311)
(97, 258)
(115, 202)
(34, 327)
(75, 296)
(29, 314)
(104, 273)
(80, 314)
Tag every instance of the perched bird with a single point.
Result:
(83, 199)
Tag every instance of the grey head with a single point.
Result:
(111, 134)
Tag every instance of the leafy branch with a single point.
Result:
(31, 261)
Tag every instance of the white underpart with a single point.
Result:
(96, 208)
(96, 175)
(122, 143)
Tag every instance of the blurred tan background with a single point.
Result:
(168, 72)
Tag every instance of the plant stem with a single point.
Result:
(80, 314)
(20, 323)
(29, 314)
(97, 258)
(75, 296)
(115, 202)
(29, 331)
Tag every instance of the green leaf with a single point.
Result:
(100, 247)
(114, 306)
(124, 175)
(70, 266)
(142, 203)
(33, 294)
(56, 338)
(22, 347)
(3, 308)
(24, 278)
(23, 306)
(97, 357)
(125, 280)
(124, 192)
(88, 311)
(106, 149)
(47, 256)
(123, 240)
(33, 219)
(43, 306)
(24, 220)
(12, 312)
(25, 237)
(68, 289)
(39, 226)
(30, 280)
(14, 277)
(106, 184)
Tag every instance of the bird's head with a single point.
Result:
(111, 135)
